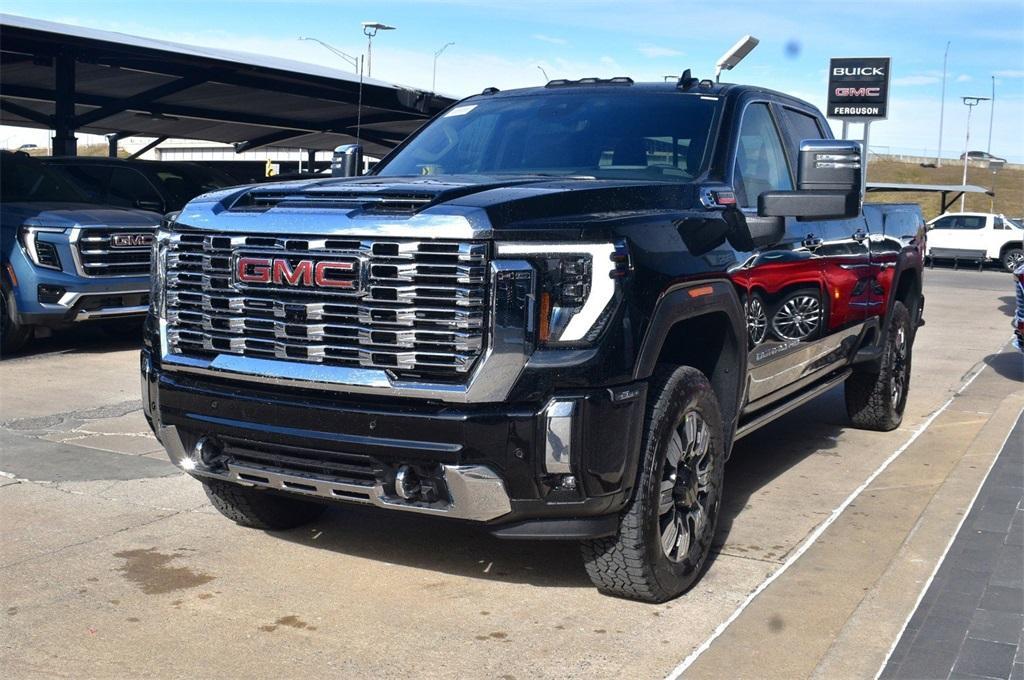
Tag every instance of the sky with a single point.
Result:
(502, 44)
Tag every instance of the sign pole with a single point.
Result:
(865, 153)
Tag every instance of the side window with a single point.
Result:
(945, 223)
(760, 160)
(802, 126)
(970, 222)
(128, 188)
(91, 178)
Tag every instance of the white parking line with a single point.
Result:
(814, 535)
(952, 539)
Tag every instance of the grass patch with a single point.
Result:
(1009, 186)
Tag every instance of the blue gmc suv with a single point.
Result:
(64, 259)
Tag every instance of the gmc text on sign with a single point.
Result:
(858, 88)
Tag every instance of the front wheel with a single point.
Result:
(1012, 258)
(875, 401)
(665, 534)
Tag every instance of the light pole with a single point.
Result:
(991, 114)
(354, 61)
(942, 107)
(970, 103)
(370, 29)
(357, 65)
(433, 80)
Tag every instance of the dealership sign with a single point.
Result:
(858, 88)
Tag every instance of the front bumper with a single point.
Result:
(524, 469)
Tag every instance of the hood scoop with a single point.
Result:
(261, 199)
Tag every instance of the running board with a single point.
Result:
(791, 403)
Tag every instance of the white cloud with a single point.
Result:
(550, 39)
(916, 80)
(656, 51)
(963, 78)
(1009, 73)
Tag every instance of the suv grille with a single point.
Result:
(414, 307)
(115, 252)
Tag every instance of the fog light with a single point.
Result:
(50, 294)
(558, 436)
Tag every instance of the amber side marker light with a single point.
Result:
(701, 292)
(545, 317)
(14, 277)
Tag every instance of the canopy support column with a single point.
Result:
(64, 141)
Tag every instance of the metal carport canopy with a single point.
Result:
(68, 78)
(945, 189)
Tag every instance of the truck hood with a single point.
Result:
(70, 215)
(452, 206)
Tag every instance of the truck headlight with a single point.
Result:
(40, 251)
(158, 271)
(576, 287)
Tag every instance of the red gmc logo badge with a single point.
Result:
(340, 275)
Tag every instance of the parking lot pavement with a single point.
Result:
(113, 564)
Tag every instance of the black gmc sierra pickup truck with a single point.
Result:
(551, 312)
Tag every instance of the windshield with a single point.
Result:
(595, 134)
(28, 181)
(183, 182)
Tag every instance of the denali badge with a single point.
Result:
(143, 240)
(339, 275)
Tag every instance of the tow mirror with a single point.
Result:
(347, 161)
(829, 183)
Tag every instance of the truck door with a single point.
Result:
(782, 285)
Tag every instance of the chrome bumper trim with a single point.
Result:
(512, 297)
(111, 312)
(477, 493)
(558, 436)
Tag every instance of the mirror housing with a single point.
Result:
(347, 161)
(830, 183)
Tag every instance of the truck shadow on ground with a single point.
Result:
(763, 456)
(464, 550)
(84, 339)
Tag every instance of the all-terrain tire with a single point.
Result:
(259, 509)
(633, 564)
(876, 400)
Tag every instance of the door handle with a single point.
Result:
(811, 242)
(860, 235)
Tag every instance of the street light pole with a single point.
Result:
(942, 107)
(347, 57)
(433, 80)
(991, 114)
(970, 103)
(370, 29)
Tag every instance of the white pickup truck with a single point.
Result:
(976, 237)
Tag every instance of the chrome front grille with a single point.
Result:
(413, 307)
(103, 251)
